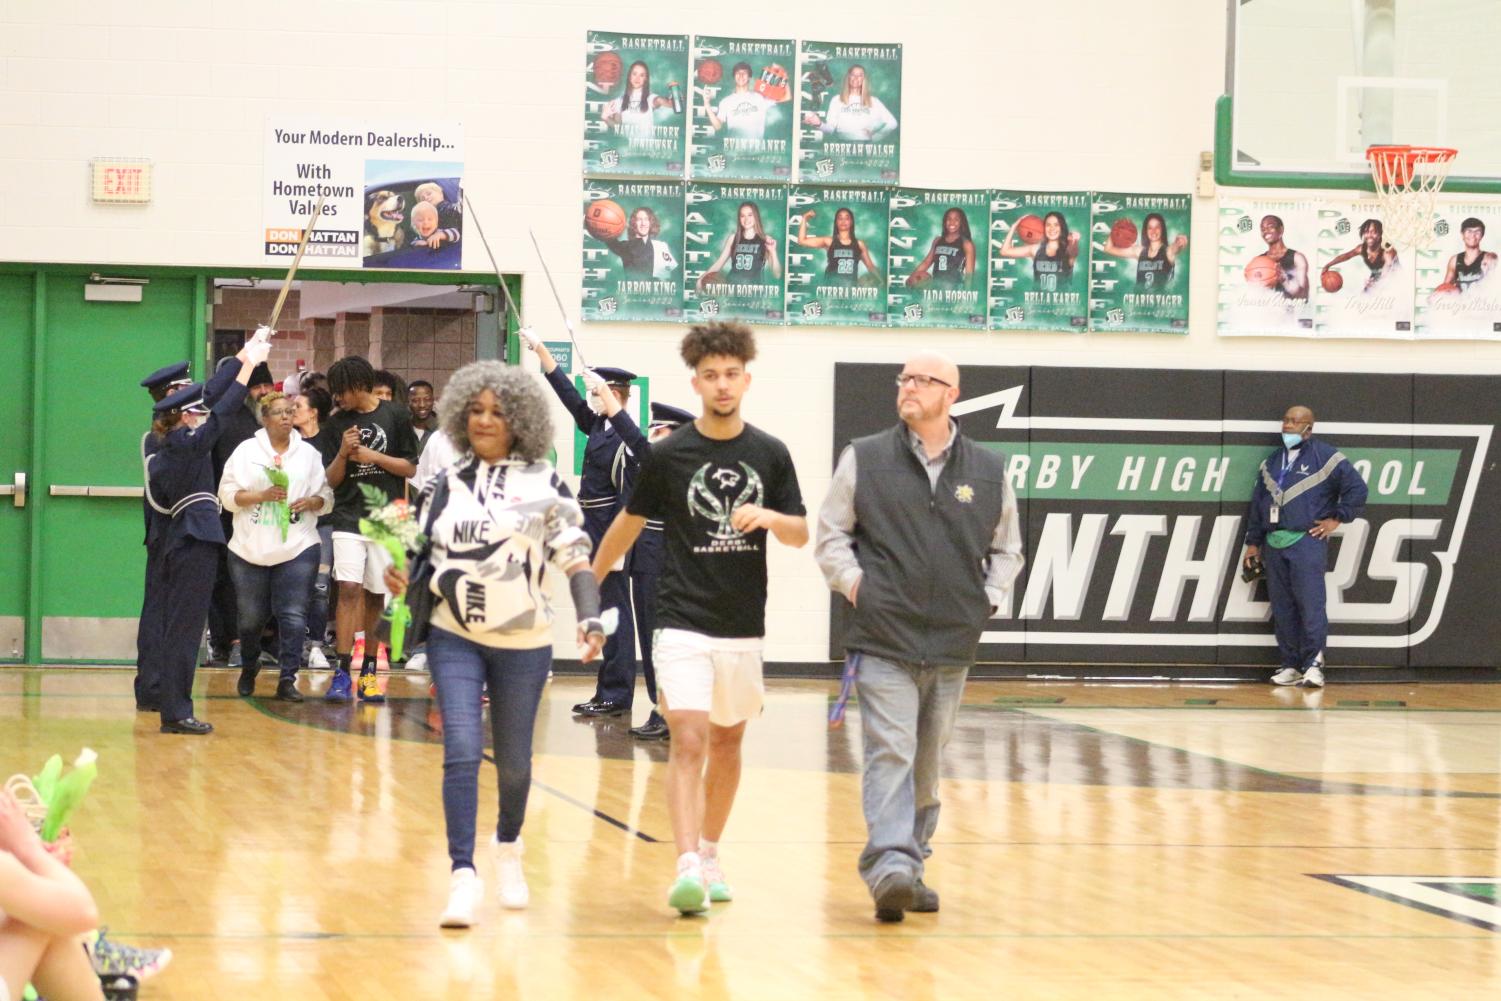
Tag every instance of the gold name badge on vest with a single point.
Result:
(964, 493)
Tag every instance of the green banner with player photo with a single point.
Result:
(1459, 284)
(742, 114)
(836, 256)
(851, 103)
(1039, 260)
(635, 104)
(1139, 263)
(733, 252)
(633, 246)
(939, 267)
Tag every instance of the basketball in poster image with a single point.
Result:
(1266, 274)
(635, 104)
(836, 255)
(938, 272)
(1139, 262)
(1039, 260)
(851, 98)
(734, 252)
(1364, 285)
(632, 246)
(741, 102)
(1458, 281)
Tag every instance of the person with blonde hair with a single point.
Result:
(854, 114)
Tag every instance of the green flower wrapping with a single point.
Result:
(280, 509)
(392, 526)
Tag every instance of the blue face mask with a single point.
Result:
(1291, 440)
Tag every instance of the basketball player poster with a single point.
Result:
(1138, 263)
(1458, 280)
(836, 256)
(1039, 260)
(1266, 267)
(633, 250)
(741, 109)
(851, 113)
(939, 267)
(733, 252)
(635, 104)
(1364, 286)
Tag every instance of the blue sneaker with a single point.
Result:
(342, 688)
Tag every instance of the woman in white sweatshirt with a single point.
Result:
(274, 553)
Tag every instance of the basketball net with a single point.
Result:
(1408, 180)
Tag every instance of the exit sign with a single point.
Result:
(121, 180)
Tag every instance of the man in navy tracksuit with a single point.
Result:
(1304, 491)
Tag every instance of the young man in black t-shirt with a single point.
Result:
(376, 447)
(720, 485)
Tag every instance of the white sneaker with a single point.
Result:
(1313, 677)
(1290, 676)
(509, 877)
(315, 659)
(417, 662)
(465, 891)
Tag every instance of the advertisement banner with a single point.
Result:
(733, 252)
(633, 248)
(635, 104)
(392, 193)
(1138, 263)
(1133, 486)
(1266, 267)
(1364, 287)
(836, 256)
(1459, 285)
(851, 102)
(939, 271)
(1039, 260)
(742, 110)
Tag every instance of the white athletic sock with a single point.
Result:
(707, 848)
(688, 860)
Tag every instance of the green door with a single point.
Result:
(16, 337)
(90, 413)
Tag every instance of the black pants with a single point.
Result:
(617, 671)
(644, 597)
(148, 683)
(222, 628)
(188, 572)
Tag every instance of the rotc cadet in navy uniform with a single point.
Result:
(611, 458)
(1304, 491)
(180, 479)
(159, 384)
(645, 564)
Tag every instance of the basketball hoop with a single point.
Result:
(1408, 180)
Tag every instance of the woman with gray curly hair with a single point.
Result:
(495, 519)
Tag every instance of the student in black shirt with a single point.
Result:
(377, 448)
(720, 486)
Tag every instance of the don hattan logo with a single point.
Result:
(716, 491)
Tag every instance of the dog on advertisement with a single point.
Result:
(384, 214)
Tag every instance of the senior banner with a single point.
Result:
(635, 104)
(632, 260)
(1138, 263)
(836, 256)
(733, 251)
(939, 264)
(1039, 260)
(392, 193)
(1459, 284)
(1133, 486)
(742, 112)
(851, 107)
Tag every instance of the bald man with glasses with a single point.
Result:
(919, 531)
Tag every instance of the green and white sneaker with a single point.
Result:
(689, 893)
(719, 889)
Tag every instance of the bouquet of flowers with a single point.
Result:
(392, 526)
(50, 796)
(279, 509)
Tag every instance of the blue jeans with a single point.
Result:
(906, 716)
(462, 670)
(317, 609)
(281, 589)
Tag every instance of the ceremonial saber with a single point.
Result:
(286, 286)
(559, 300)
(504, 290)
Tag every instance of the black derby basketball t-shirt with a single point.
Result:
(388, 429)
(714, 581)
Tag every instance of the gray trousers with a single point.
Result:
(906, 716)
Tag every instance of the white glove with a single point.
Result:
(262, 333)
(529, 338)
(256, 351)
(595, 384)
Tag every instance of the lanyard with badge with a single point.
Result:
(1274, 514)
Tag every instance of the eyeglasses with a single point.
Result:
(920, 381)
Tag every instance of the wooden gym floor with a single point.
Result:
(1097, 841)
